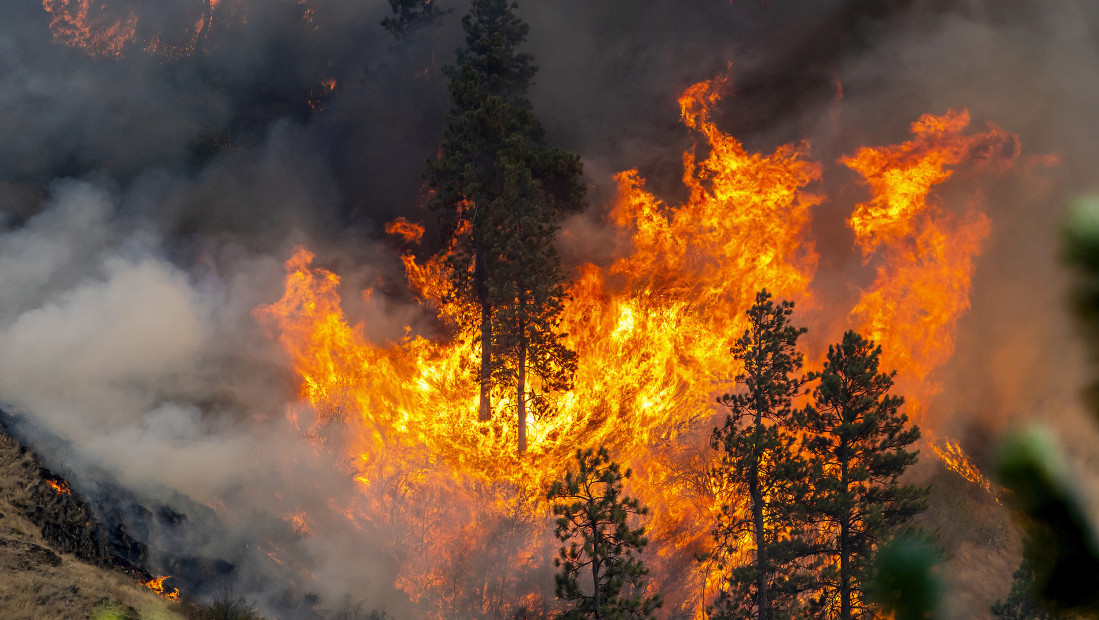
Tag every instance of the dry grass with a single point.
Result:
(38, 583)
(980, 542)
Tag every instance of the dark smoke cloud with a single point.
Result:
(149, 200)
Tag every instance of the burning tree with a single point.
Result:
(760, 535)
(859, 440)
(593, 520)
(500, 192)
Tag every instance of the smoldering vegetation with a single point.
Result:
(150, 199)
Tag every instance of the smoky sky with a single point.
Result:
(240, 106)
(147, 201)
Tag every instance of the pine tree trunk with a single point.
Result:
(486, 362)
(845, 532)
(480, 276)
(595, 566)
(521, 390)
(755, 492)
(845, 579)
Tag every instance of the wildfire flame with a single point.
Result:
(652, 333)
(79, 24)
(108, 29)
(927, 257)
(952, 456)
(926, 254)
(60, 486)
(409, 231)
(156, 584)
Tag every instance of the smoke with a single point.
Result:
(149, 200)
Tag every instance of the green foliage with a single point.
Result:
(1080, 247)
(600, 573)
(107, 610)
(1059, 574)
(761, 466)
(812, 492)
(859, 442)
(1022, 602)
(904, 581)
(1061, 542)
(500, 193)
(1081, 233)
(229, 607)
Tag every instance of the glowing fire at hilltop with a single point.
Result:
(95, 30)
(652, 334)
(111, 28)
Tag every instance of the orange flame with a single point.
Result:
(652, 333)
(100, 30)
(156, 584)
(78, 24)
(955, 459)
(60, 486)
(929, 255)
(409, 231)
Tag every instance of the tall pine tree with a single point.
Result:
(759, 536)
(501, 192)
(860, 442)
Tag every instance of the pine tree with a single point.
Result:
(1022, 603)
(860, 441)
(501, 193)
(528, 283)
(600, 557)
(759, 538)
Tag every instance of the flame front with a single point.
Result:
(926, 254)
(652, 333)
(927, 257)
(156, 584)
(80, 24)
(59, 486)
(109, 28)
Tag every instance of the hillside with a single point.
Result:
(67, 575)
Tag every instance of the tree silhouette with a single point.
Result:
(600, 573)
(759, 537)
(500, 193)
(859, 440)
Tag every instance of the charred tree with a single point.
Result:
(593, 520)
(500, 193)
(759, 536)
(860, 442)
